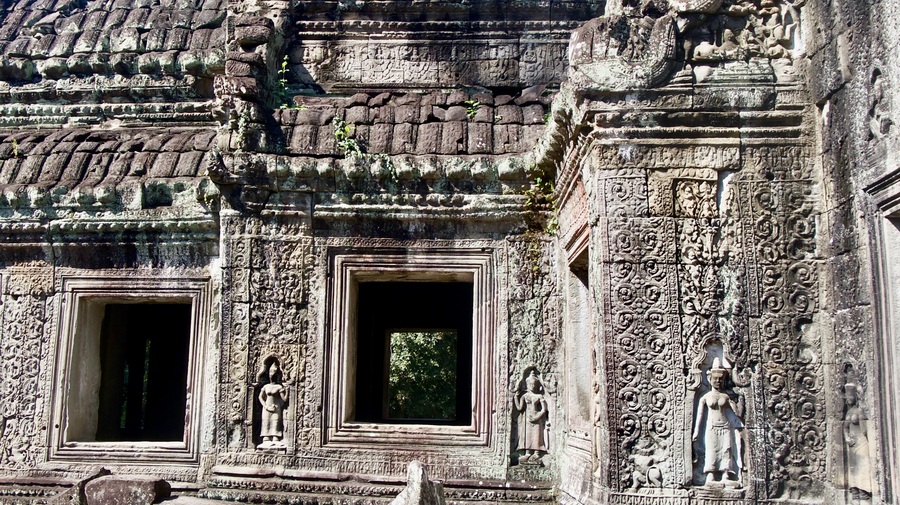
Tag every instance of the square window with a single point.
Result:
(417, 339)
(411, 349)
(128, 374)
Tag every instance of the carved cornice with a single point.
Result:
(426, 29)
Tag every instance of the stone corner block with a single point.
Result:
(126, 490)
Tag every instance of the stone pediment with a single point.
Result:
(620, 53)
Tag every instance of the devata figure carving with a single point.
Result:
(721, 431)
(856, 444)
(532, 420)
(273, 396)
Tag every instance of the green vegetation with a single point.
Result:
(281, 89)
(422, 378)
(282, 97)
(242, 128)
(343, 136)
(541, 198)
(472, 107)
(540, 218)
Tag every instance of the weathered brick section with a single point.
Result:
(418, 123)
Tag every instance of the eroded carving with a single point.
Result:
(273, 396)
(879, 109)
(533, 419)
(645, 460)
(854, 428)
(620, 53)
(419, 490)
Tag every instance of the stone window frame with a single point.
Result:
(347, 269)
(79, 293)
(884, 195)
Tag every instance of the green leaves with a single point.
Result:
(472, 107)
(343, 136)
(422, 377)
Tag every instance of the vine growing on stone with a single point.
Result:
(343, 136)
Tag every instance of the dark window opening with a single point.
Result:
(414, 352)
(143, 372)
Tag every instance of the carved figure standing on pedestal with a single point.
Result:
(532, 421)
(856, 441)
(273, 396)
(722, 462)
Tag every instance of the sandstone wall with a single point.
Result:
(679, 221)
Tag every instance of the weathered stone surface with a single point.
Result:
(419, 490)
(676, 221)
(121, 490)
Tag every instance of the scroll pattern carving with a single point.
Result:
(24, 318)
(690, 256)
(267, 268)
(642, 317)
(779, 243)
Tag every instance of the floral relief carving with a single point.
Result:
(22, 327)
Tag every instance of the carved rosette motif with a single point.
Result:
(690, 256)
(638, 261)
(779, 232)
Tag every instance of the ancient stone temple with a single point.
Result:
(556, 251)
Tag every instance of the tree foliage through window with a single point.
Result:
(422, 378)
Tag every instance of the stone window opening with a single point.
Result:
(143, 372)
(417, 337)
(128, 371)
(380, 300)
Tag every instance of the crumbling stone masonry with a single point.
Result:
(661, 238)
